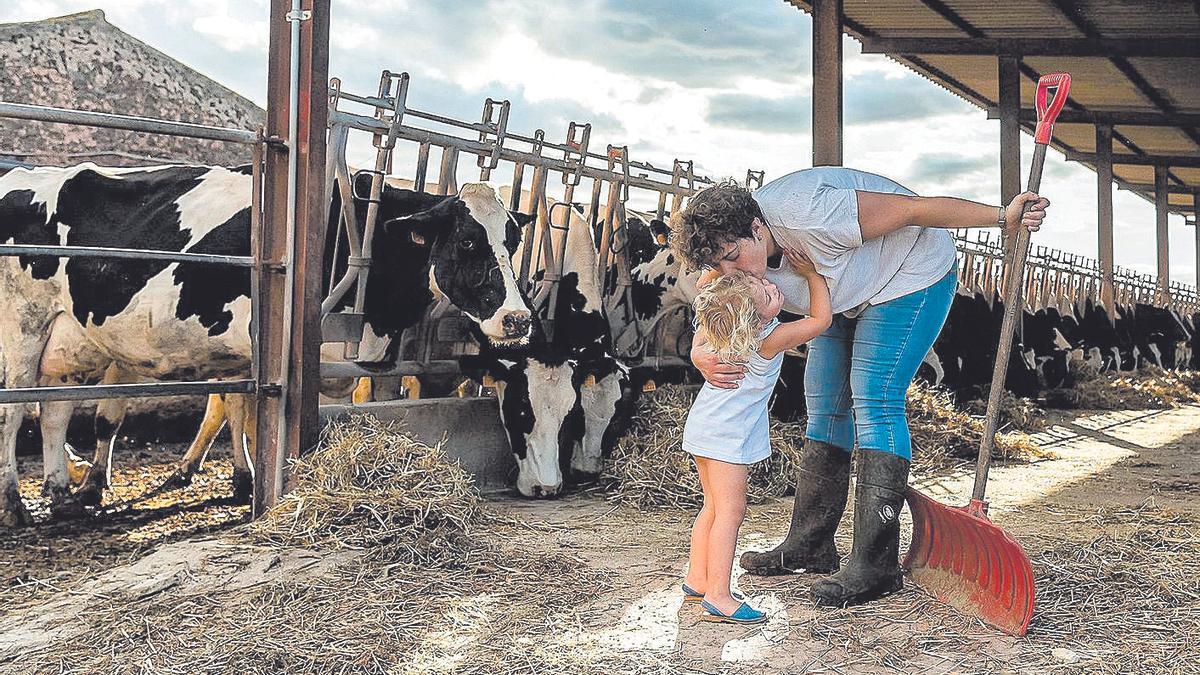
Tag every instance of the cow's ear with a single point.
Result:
(522, 219)
(419, 228)
(515, 229)
(660, 230)
(422, 228)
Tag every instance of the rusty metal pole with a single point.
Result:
(302, 400)
(827, 83)
(1104, 216)
(1160, 218)
(293, 376)
(272, 243)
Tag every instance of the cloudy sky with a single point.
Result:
(724, 83)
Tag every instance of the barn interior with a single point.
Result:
(1103, 502)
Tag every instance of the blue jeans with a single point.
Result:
(858, 371)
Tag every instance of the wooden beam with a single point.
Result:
(1160, 229)
(1180, 161)
(1153, 46)
(827, 83)
(1122, 117)
(1150, 187)
(1104, 216)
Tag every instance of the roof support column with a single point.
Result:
(1160, 216)
(1010, 127)
(1104, 215)
(827, 83)
(1196, 224)
(1010, 144)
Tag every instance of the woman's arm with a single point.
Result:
(880, 213)
(795, 333)
(715, 371)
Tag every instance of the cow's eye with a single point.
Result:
(466, 244)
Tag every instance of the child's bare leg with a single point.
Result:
(697, 575)
(727, 485)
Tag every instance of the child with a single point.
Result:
(726, 430)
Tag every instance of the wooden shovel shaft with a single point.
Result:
(1012, 312)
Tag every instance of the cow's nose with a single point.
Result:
(543, 491)
(516, 324)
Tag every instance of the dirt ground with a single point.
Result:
(59, 555)
(1111, 524)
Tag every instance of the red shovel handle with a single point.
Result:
(1047, 112)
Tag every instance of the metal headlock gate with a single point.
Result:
(496, 149)
(1055, 278)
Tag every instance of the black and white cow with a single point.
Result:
(563, 395)
(659, 289)
(71, 321)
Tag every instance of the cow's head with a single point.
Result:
(535, 401)
(471, 238)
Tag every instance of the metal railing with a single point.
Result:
(1055, 278)
(254, 261)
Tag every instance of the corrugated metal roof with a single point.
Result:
(1099, 83)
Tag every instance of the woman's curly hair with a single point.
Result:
(713, 217)
(725, 310)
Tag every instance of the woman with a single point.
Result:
(889, 260)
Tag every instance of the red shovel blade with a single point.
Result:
(963, 559)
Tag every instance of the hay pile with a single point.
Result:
(943, 436)
(1148, 388)
(370, 486)
(416, 576)
(649, 467)
(1127, 599)
(1016, 412)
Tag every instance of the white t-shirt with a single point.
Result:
(816, 210)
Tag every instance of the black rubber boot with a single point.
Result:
(873, 569)
(822, 481)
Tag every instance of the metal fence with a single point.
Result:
(1055, 278)
(155, 126)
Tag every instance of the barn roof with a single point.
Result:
(81, 61)
(1134, 64)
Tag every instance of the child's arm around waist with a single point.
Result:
(795, 333)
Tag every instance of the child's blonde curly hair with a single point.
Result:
(725, 310)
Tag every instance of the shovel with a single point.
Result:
(957, 554)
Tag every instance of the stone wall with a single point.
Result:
(83, 62)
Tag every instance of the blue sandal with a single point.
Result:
(745, 614)
(692, 595)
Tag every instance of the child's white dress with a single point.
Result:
(731, 425)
